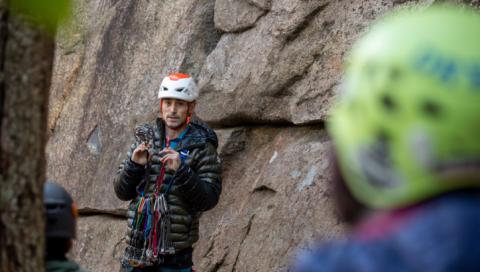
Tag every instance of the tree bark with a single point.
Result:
(26, 56)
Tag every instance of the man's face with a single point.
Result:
(174, 112)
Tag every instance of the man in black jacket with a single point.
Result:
(171, 175)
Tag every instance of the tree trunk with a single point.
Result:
(26, 56)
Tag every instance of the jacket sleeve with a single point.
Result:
(128, 177)
(200, 180)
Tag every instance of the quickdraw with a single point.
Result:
(151, 227)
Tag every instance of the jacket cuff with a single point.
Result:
(182, 175)
(134, 169)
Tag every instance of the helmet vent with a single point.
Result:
(388, 103)
(395, 74)
(179, 89)
(431, 108)
(165, 88)
(383, 136)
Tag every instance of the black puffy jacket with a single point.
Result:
(196, 184)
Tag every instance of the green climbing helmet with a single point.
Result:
(407, 123)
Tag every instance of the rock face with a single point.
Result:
(275, 198)
(268, 71)
(99, 244)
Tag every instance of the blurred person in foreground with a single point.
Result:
(61, 220)
(406, 135)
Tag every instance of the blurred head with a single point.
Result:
(406, 127)
(61, 215)
(60, 210)
(178, 93)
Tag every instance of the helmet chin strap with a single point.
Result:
(183, 125)
(178, 128)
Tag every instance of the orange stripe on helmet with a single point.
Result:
(177, 76)
(74, 210)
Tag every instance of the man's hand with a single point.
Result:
(171, 159)
(140, 154)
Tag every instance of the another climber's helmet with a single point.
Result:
(178, 86)
(60, 212)
(407, 125)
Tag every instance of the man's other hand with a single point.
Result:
(171, 159)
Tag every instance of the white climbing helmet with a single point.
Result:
(178, 86)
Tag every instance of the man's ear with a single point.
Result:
(191, 107)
